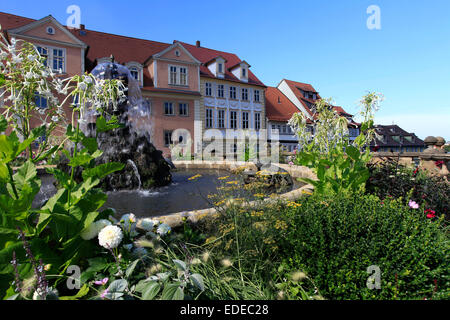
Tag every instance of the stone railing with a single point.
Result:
(176, 219)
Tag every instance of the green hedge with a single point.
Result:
(335, 240)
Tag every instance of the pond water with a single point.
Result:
(183, 194)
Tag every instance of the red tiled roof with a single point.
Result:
(275, 111)
(205, 55)
(341, 111)
(11, 21)
(296, 87)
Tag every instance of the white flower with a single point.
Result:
(128, 221)
(110, 237)
(82, 86)
(163, 229)
(55, 118)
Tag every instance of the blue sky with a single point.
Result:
(323, 42)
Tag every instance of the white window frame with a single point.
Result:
(50, 56)
(233, 119)
(256, 95)
(244, 92)
(209, 118)
(245, 119)
(221, 120)
(257, 116)
(40, 98)
(176, 75)
(233, 93)
(208, 88)
(221, 91)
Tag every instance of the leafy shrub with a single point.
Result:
(340, 164)
(336, 238)
(391, 179)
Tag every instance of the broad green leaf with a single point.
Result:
(179, 264)
(25, 174)
(352, 152)
(118, 286)
(170, 291)
(131, 268)
(150, 290)
(179, 294)
(103, 170)
(80, 159)
(90, 144)
(197, 280)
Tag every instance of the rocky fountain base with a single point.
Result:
(145, 166)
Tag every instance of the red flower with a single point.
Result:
(439, 163)
(430, 213)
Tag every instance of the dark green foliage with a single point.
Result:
(335, 239)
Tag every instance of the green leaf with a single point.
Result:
(197, 280)
(131, 268)
(118, 286)
(172, 292)
(353, 152)
(3, 123)
(103, 170)
(90, 144)
(25, 174)
(80, 294)
(179, 264)
(8, 231)
(151, 290)
(103, 126)
(80, 159)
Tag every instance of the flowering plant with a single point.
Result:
(340, 164)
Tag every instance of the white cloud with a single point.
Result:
(423, 125)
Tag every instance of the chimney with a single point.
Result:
(197, 43)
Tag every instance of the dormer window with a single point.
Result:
(217, 66)
(240, 71)
(136, 72)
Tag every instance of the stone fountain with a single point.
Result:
(145, 166)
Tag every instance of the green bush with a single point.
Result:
(335, 239)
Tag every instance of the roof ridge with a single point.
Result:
(209, 49)
(119, 35)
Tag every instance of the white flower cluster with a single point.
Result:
(110, 235)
